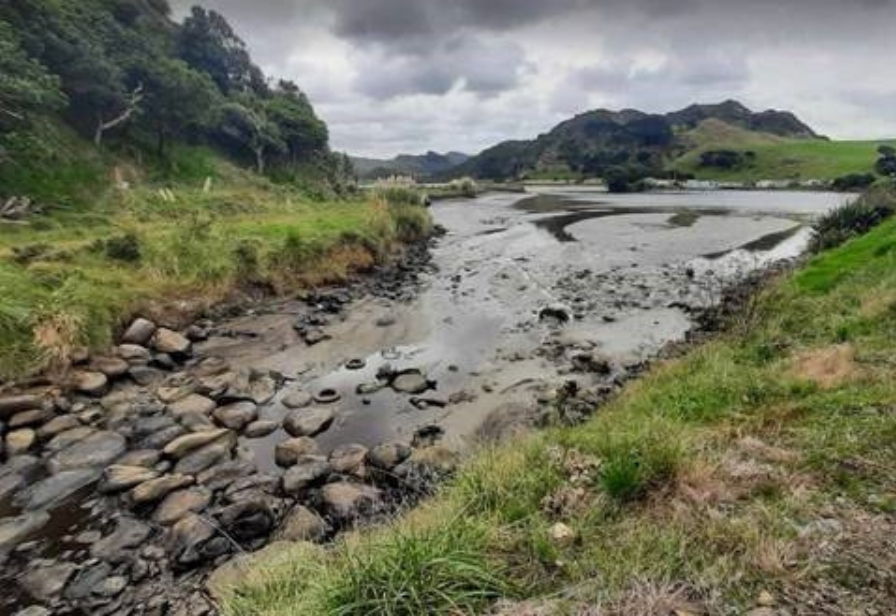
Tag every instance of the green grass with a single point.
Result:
(63, 287)
(693, 483)
(778, 158)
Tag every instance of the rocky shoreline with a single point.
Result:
(126, 483)
(133, 487)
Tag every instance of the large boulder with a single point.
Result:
(139, 332)
(248, 520)
(45, 582)
(308, 422)
(191, 540)
(119, 477)
(170, 342)
(236, 416)
(306, 472)
(261, 428)
(192, 404)
(97, 450)
(302, 524)
(90, 383)
(14, 531)
(205, 457)
(118, 545)
(12, 404)
(183, 445)
(288, 452)
(346, 502)
(56, 488)
(178, 504)
(157, 489)
(388, 455)
(112, 367)
(20, 441)
(348, 459)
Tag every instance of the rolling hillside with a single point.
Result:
(726, 141)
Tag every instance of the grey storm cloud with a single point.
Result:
(475, 71)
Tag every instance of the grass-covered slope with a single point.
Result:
(776, 158)
(758, 468)
(71, 276)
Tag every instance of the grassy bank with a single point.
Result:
(71, 276)
(760, 468)
(777, 158)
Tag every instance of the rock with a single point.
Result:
(173, 392)
(765, 599)
(34, 610)
(188, 538)
(178, 504)
(20, 441)
(145, 376)
(223, 475)
(236, 416)
(346, 502)
(156, 489)
(302, 524)
(133, 353)
(45, 582)
(308, 422)
(66, 439)
(426, 467)
(259, 482)
(57, 425)
(297, 400)
(111, 587)
(86, 580)
(9, 483)
(762, 611)
(261, 428)
(348, 459)
(117, 477)
(307, 471)
(288, 452)
(98, 449)
(112, 367)
(194, 422)
(427, 436)
(170, 342)
(159, 439)
(90, 383)
(410, 382)
(556, 312)
(56, 488)
(205, 457)
(561, 534)
(183, 445)
(118, 545)
(146, 458)
(248, 520)
(251, 386)
(192, 404)
(139, 332)
(314, 335)
(389, 455)
(14, 531)
(30, 419)
(10, 405)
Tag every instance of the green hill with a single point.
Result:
(726, 141)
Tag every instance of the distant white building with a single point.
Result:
(773, 184)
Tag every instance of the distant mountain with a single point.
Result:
(423, 166)
(629, 142)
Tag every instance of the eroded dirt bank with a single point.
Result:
(295, 418)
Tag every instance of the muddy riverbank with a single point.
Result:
(295, 418)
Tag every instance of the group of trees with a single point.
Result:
(886, 164)
(123, 74)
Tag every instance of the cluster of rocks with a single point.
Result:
(143, 453)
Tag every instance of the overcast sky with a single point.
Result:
(392, 76)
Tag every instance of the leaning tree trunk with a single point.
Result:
(259, 160)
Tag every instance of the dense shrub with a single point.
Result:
(399, 195)
(853, 219)
(853, 181)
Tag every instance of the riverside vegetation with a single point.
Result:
(752, 474)
(126, 143)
